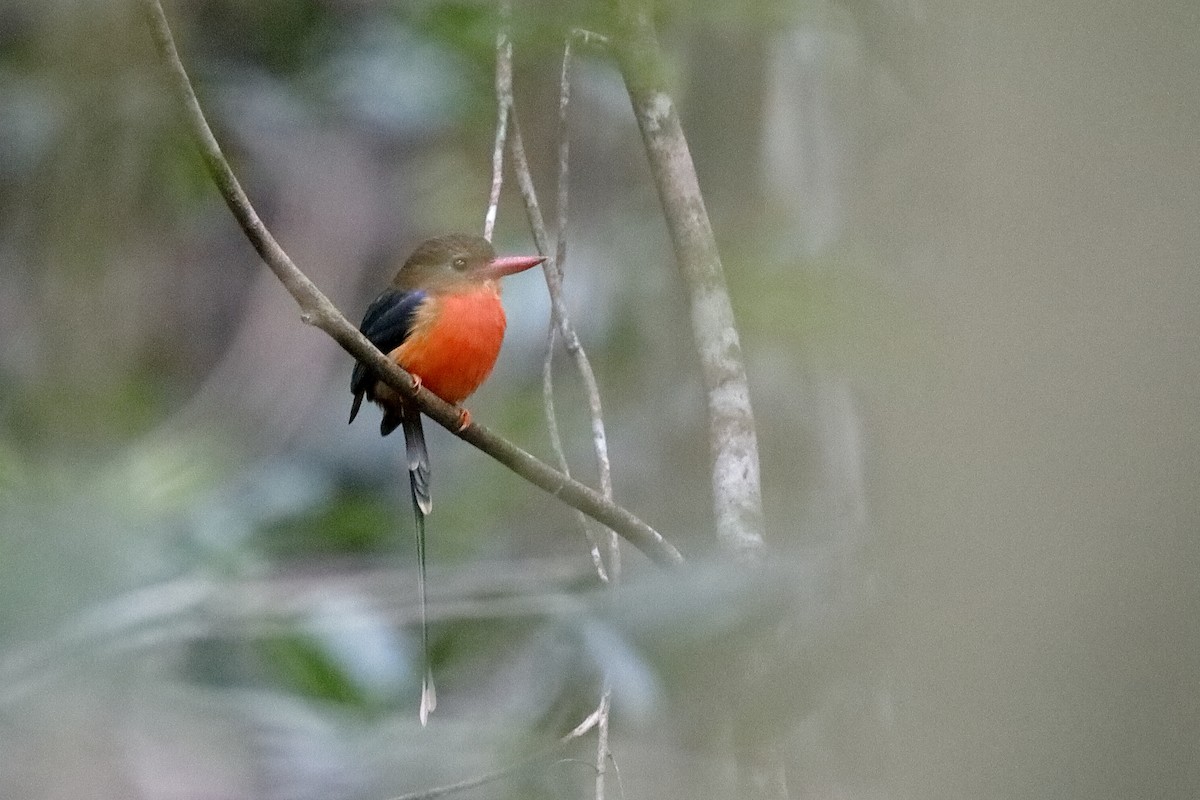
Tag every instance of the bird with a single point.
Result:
(442, 321)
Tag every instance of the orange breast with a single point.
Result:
(454, 342)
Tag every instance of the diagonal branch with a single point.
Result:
(317, 310)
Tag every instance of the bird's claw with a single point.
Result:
(464, 419)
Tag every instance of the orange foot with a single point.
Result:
(464, 419)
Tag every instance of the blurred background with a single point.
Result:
(962, 245)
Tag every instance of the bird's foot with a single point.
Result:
(416, 381)
(464, 419)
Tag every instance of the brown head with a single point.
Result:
(457, 261)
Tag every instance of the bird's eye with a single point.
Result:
(460, 263)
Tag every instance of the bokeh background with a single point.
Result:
(962, 243)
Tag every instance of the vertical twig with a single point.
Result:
(503, 104)
(556, 443)
(560, 256)
(571, 339)
(602, 751)
(560, 317)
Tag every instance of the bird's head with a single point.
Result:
(455, 261)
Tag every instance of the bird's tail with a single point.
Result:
(428, 692)
(418, 459)
(418, 481)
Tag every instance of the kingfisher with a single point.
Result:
(441, 320)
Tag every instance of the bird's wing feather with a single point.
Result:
(387, 323)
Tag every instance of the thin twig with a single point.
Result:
(602, 751)
(317, 310)
(557, 303)
(559, 307)
(617, 772)
(554, 285)
(574, 347)
(504, 104)
(560, 321)
(562, 205)
(556, 444)
(503, 79)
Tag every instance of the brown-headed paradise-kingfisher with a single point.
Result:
(442, 321)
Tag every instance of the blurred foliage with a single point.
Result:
(465, 27)
(284, 37)
(354, 521)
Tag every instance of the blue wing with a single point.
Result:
(387, 323)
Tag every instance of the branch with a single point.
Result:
(504, 108)
(737, 492)
(603, 753)
(317, 310)
(573, 345)
(503, 90)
